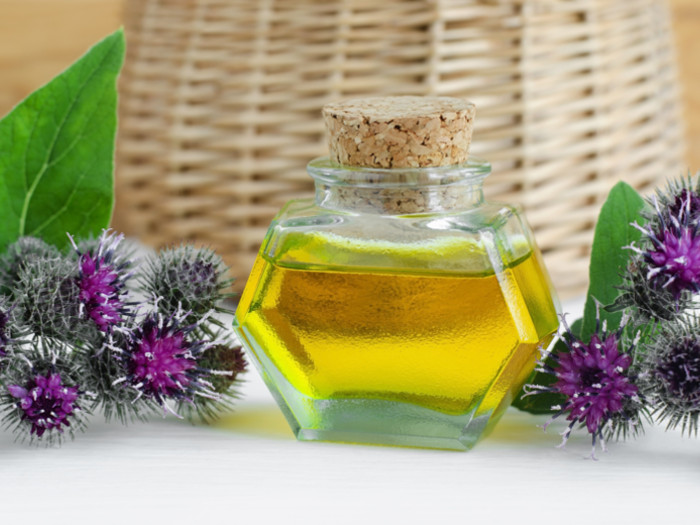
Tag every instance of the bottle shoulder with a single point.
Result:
(301, 213)
(475, 240)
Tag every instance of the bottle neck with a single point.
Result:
(398, 191)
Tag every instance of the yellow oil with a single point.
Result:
(443, 341)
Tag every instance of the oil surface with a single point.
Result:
(437, 340)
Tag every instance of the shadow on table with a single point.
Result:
(260, 420)
(519, 427)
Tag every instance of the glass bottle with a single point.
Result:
(398, 306)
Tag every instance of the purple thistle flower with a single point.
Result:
(595, 382)
(102, 281)
(674, 261)
(670, 256)
(162, 361)
(45, 402)
(41, 396)
(98, 292)
(593, 378)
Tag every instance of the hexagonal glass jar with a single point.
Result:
(398, 307)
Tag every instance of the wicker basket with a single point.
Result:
(221, 102)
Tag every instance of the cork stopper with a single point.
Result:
(400, 132)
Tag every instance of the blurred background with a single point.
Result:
(217, 121)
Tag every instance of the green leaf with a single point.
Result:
(608, 258)
(543, 403)
(57, 152)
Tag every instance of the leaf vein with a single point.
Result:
(30, 192)
(67, 201)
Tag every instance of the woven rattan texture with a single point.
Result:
(221, 106)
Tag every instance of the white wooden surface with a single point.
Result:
(250, 469)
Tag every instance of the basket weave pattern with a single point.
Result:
(221, 104)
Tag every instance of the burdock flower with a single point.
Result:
(228, 356)
(673, 260)
(46, 403)
(194, 279)
(595, 382)
(162, 361)
(17, 255)
(48, 298)
(665, 271)
(104, 271)
(225, 361)
(672, 374)
(41, 397)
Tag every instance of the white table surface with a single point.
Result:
(250, 469)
